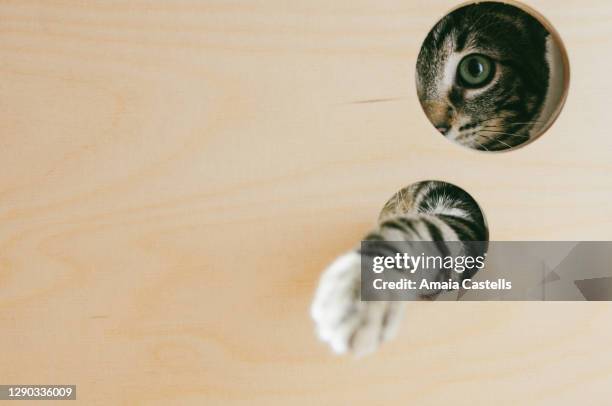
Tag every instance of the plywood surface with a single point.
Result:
(175, 175)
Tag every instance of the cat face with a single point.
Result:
(483, 75)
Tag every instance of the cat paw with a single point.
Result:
(342, 320)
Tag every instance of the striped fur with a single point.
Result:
(432, 211)
(507, 110)
(425, 211)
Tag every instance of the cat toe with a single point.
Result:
(342, 320)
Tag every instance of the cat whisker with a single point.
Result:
(490, 119)
(480, 145)
(462, 137)
(527, 122)
(495, 139)
(511, 123)
(504, 133)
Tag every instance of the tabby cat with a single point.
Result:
(425, 211)
(489, 76)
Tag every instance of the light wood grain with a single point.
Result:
(175, 176)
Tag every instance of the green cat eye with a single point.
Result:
(475, 70)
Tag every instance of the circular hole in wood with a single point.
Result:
(492, 76)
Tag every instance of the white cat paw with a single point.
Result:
(345, 322)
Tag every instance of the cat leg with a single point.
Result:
(345, 322)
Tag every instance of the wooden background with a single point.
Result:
(175, 176)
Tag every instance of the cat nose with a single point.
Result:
(440, 114)
(443, 129)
